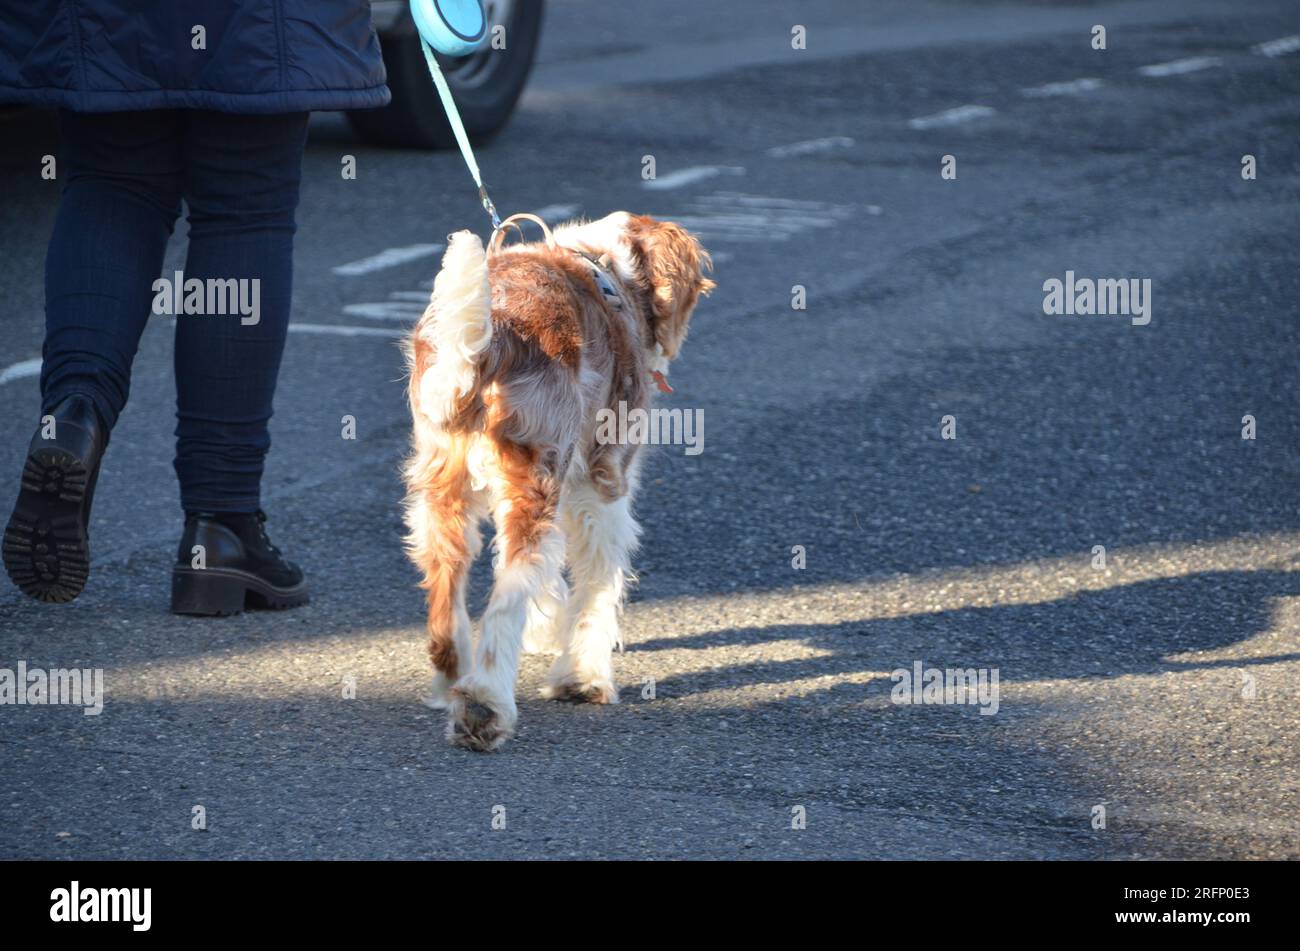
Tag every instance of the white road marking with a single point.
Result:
(20, 371)
(728, 216)
(420, 296)
(387, 310)
(1179, 66)
(689, 176)
(339, 331)
(811, 147)
(388, 258)
(1279, 47)
(1071, 87)
(951, 117)
(552, 213)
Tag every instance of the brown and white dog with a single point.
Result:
(510, 364)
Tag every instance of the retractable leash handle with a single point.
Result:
(454, 28)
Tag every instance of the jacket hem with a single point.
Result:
(293, 100)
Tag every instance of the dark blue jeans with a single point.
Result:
(124, 176)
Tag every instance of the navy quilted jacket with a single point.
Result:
(248, 56)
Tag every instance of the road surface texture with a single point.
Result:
(1156, 690)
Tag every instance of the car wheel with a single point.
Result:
(486, 84)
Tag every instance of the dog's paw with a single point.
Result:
(576, 688)
(475, 723)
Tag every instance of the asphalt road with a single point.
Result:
(1161, 687)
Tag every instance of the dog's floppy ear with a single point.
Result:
(675, 263)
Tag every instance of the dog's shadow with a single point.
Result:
(1139, 628)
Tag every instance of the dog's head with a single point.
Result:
(662, 258)
(674, 265)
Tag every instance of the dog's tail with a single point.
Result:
(449, 341)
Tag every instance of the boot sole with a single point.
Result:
(222, 592)
(46, 550)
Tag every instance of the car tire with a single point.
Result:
(486, 84)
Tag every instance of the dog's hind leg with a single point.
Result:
(601, 535)
(530, 553)
(442, 540)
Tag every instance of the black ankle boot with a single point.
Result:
(238, 567)
(46, 544)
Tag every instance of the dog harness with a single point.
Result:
(601, 272)
(613, 297)
(610, 288)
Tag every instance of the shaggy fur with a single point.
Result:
(510, 364)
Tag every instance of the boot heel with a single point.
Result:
(206, 593)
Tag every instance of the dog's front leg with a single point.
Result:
(601, 537)
(546, 618)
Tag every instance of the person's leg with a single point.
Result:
(121, 197)
(241, 187)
